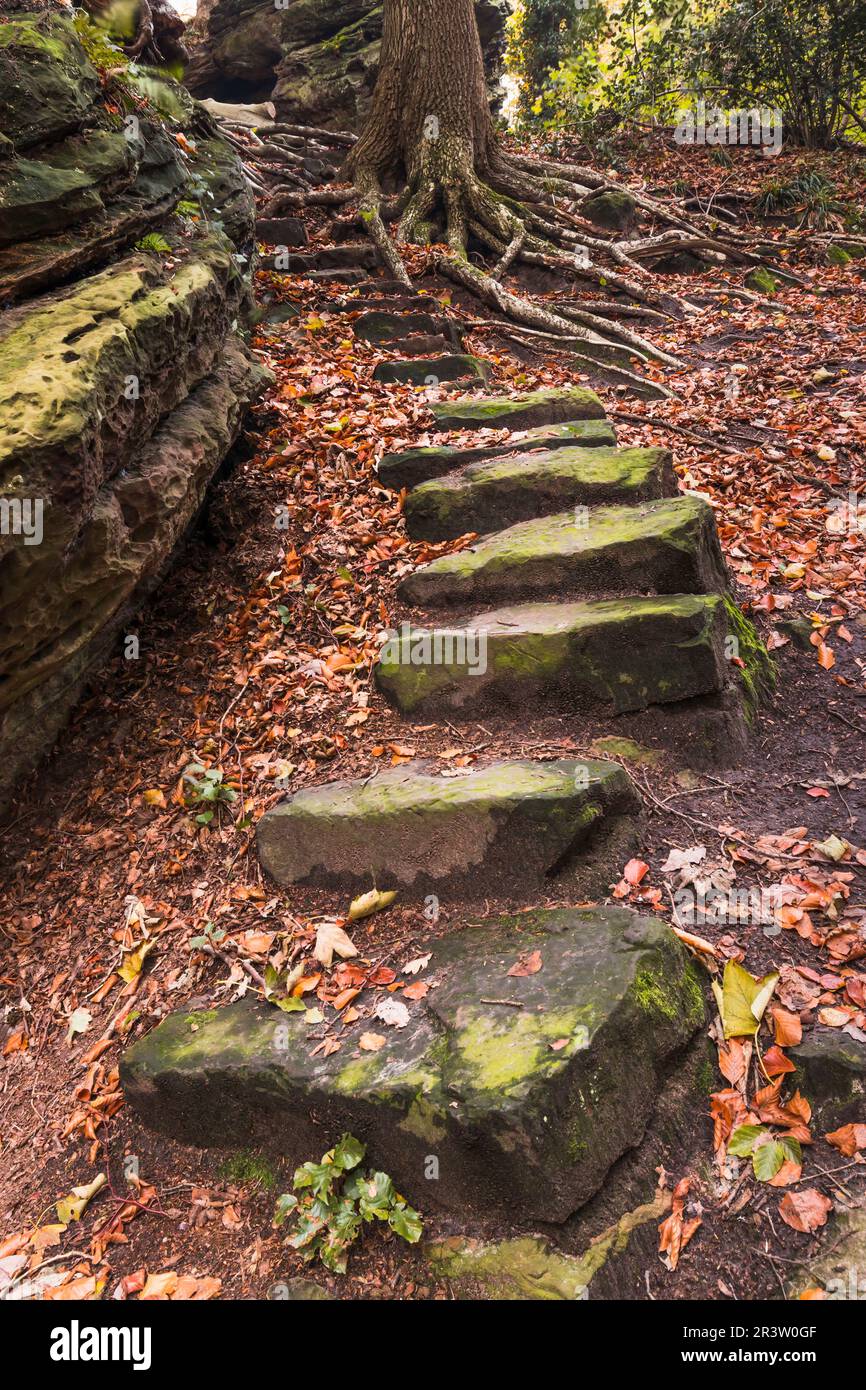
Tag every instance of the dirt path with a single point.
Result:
(255, 659)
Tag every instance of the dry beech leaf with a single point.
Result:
(849, 1140)
(392, 1012)
(805, 1211)
(527, 964)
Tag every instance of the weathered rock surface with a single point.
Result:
(488, 495)
(376, 326)
(838, 1266)
(529, 1268)
(665, 547)
(124, 381)
(518, 412)
(613, 209)
(414, 466)
(317, 60)
(499, 829)
(617, 655)
(431, 370)
(519, 1126)
(831, 1073)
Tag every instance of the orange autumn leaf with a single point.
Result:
(790, 1171)
(674, 1232)
(416, 990)
(849, 1139)
(826, 656)
(634, 871)
(805, 1211)
(776, 1063)
(527, 964)
(344, 998)
(734, 1059)
(789, 1029)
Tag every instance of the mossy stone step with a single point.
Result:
(421, 345)
(281, 231)
(519, 412)
(486, 496)
(526, 1108)
(381, 328)
(498, 829)
(529, 1268)
(665, 547)
(429, 371)
(414, 466)
(623, 654)
(352, 256)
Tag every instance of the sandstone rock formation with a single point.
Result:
(124, 378)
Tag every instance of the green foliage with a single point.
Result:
(103, 53)
(153, 242)
(767, 1154)
(587, 71)
(805, 59)
(206, 787)
(331, 1201)
(212, 936)
(809, 194)
(601, 68)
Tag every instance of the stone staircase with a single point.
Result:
(602, 592)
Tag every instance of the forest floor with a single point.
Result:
(256, 658)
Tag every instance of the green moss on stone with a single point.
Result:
(762, 281)
(246, 1168)
(758, 671)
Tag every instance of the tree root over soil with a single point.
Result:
(430, 160)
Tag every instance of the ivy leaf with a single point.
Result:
(405, 1222)
(349, 1152)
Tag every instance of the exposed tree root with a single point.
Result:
(522, 210)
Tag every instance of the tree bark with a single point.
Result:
(430, 126)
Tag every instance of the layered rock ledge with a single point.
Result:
(127, 228)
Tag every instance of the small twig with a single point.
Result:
(227, 960)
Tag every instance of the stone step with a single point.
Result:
(389, 287)
(621, 654)
(421, 345)
(489, 495)
(415, 466)
(393, 304)
(518, 412)
(381, 329)
(356, 255)
(430, 371)
(281, 231)
(341, 277)
(664, 547)
(494, 830)
(526, 1107)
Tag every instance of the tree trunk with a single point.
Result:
(430, 126)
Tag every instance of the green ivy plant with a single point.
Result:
(205, 786)
(332, 1199)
